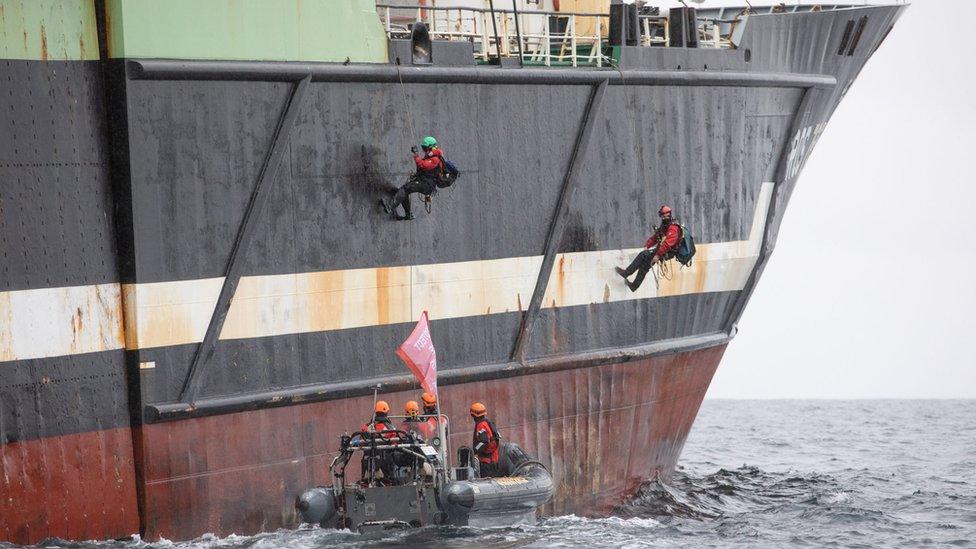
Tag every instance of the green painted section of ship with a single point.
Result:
(256, 30)
(48, 30)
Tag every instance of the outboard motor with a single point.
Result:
(512, 458)
(465, 469)
(317, 506)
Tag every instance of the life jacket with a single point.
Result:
(380, 425)
(489, 452)
(418, 426)
(431, 164)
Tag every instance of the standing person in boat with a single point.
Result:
(485, 441)
(414, 423)
(430, 404)
(431, 414)
(659, 247)
(431, 170)
(381, 420)
(380, 424)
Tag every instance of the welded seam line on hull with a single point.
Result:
(558, 224)
(334, 391)
(263, 71)
(252, 215)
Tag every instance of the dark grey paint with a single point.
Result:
(55, 197)
(62, 395)
(557, 227)
(253, 214)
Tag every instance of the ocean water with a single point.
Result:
(783, 473)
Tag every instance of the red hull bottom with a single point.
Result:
(602, 429)
(79, 486)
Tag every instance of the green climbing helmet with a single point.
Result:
(428, 142)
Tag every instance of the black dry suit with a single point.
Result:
(430, 169)
(642, 263)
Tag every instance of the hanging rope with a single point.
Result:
(413, 131)
(406, 107)
(664, 267)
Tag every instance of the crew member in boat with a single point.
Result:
(430, 416)
(659, 247)
(381, 460)
(413, 423)
(432, 172)
(485, 441)
(381, 420)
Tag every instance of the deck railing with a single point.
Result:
(543, 37)
(566, 38)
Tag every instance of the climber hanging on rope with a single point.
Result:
(433, 172)
(661, 246)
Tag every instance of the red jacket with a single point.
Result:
(418, 426)
(432, 427)
(431, 163)
(382, 424)
(484, 442)
(667, 238)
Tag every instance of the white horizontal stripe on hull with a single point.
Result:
(62, 321)
(174, 313)
(47, 322)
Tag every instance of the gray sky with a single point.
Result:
(870, 292)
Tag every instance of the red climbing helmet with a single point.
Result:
(665, 210)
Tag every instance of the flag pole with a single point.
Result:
(372, 424)
(442, 433)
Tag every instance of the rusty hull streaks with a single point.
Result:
(603, 430)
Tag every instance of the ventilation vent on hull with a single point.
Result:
(861, 23)
(852, 35)
(846, 39)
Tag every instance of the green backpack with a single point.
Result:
(686, 247)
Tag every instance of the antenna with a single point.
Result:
(376, 389)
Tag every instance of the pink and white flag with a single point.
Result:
(420, 356)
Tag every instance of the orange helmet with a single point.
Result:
(478, 410)
(429, 399)
(412, 408)
(382, 407)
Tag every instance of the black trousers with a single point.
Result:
(641, 264)
(415, 185)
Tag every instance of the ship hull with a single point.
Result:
(199, 288)
(602, 429)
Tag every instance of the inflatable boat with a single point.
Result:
(406, 482)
